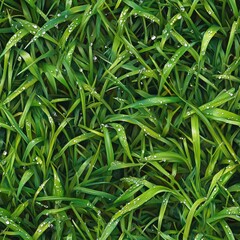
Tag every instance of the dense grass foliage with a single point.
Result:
(119, 119)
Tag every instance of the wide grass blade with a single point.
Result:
(190, 217)
(153, 101)
(196, 147)
(26, 176)
(9, 223)
(135, 203)
(42, 228)
(168, 67)
(14, 40)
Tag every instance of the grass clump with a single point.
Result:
(119, 119)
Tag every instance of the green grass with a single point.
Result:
(119, 119)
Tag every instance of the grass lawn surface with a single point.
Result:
(119, 119)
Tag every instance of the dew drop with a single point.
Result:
(182, 9)
(153, 37)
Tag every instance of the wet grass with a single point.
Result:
(119, 119)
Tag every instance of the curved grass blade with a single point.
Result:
(30, 146)
(42, 228)
(152, 101)
(228, 77)
(46, 55)
(234, 8)
(14, 40)
(169, 157)
(79, 22)
(83, 228)
(227, 230)
(122, 20)
(166, 236)
(79, 173)
(220, 99)
(232, 67)
(52, 212)
(184, 42)
(199, 236)
(71, 27)
(75, 201)
(122, 138)
(212, 164)
(58, 188)
(27, 107)
(211, 12)
(19, 90)
(33, 68)
(95, 192)
(228, 212)
(190, 218)
(108, 146)
(208, 35)
(33, 29)
(196, 147)
(234, 28)
(40, 188)
(135, 52)
(137, 9)
(74, 141)
(26, 176)
(135, 203)
(50, 75)
(50, 119)
(163, 210)
(97, 96)
(209, 127)
(171, 64)
(146, 130)
(60, 18)
(228, 145)
(20, 208)
(54, 138)
(120, 165)
(92, 162)
(8, 222)
(14, 124)
(5, 70)
(219, 176)
(129, 193)
(222, 115)
(74, 106)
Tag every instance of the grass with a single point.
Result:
(119, 119)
